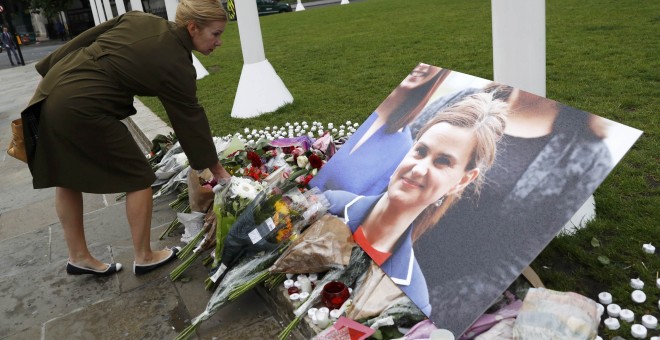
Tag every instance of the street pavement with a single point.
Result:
(38, 300)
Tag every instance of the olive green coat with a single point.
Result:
(89, 85)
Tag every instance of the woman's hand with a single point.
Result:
(219, 172)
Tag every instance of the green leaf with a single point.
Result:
(595, 243)
(604, 260)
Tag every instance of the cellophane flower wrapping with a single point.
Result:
(325, 245)
(272, 218)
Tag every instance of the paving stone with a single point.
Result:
(31, 298)
(25, 252)
(24, 219)
(153, 312)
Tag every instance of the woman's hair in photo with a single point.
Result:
(414, 103)
(201, 12)
(486, 116)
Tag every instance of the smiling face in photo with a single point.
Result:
(419, 75)
(434, 166)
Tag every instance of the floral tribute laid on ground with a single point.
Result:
(265, 226)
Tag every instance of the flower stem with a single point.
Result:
(241, 289)
(289, 328)
(191, 245)
(178, 271)
(187, 332)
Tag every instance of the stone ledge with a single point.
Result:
(145, 126)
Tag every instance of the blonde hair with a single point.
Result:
(201, 12)
(486, 116)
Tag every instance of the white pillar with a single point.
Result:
(519, 44)
(344, 2)
(100, 13)
(170, 7)
(136, 5)
(260, 89)
(38, 25)
(108, 10)
(519, 61)
(299, 6)
(121, 9)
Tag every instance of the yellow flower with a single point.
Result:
(281, 208)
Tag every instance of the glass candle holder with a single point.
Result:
(334, 294)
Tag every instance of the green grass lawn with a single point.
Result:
(340, 62)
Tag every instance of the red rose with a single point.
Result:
(315, 161)
(254, 159)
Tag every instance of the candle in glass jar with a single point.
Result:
(637, 283)
(627, 315)
(612, 324)
(648, 248)
(605, 298)
(638, 296)
(638, 331)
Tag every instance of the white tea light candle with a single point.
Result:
(648, 248)
(335, 314)
(288, 283)
(612, 324)
(638, 331)
(605, 298)
(650, 321)
(613, 310)
(638, 296)
(627, 315)
(600, 308)
(636, 283)
(322, 317)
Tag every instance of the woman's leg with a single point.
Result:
(139, 205)
(69, 207)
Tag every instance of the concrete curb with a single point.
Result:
(145, 125)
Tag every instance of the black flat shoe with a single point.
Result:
(140, 269)
(72, 269)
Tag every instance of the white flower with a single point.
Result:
(247, 130)
(348, 122)
(320, 132)
(310, 134)
(334, 130)
(330, 125)
(341, 133)
(245, 188)
(302, 161)
(296, 123)
(287, 124)
(356, 124)
(267, 128)
(313, 128)
(297, 129)
(274, 127)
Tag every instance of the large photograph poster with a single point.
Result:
(454, 184)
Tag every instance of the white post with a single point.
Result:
(136, 5)
(121, 9)
(260, 89)
(108, 10)
(299, 6)
(95, 13)
(519, 44)
(170, 7)
(344, 2)
(519, 61)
